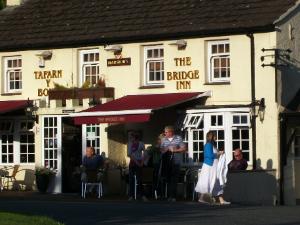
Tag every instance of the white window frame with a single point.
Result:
(146, 63)
(57, 187)
(192, 120)
(210, 65)
(82, 64)
(27, 131)
(243, 126)
(86, 137)
(240, 115)
(7, 88)
(227, 126)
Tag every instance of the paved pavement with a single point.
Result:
(72, 210)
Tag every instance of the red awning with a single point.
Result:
(133, 108)
(9, 106)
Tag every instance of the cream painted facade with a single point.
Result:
(129, 79)
(289, 85)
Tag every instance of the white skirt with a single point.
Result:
(207, 180)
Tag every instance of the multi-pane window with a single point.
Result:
(7, 141)
(50, 142)
(154, 65)
(232, 130)
(192, 120)
(218, 61)
(241, 134)
(198, 143)
(27, 144)
(93, 137)
(89, 60)
(217, 126)
(7, 148)
(13, 73)
(27, 148)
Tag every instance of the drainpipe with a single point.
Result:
(253, 120)
(282, 120)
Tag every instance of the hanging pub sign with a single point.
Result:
(119, 62)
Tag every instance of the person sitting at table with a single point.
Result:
(238, 163)
(91, 161)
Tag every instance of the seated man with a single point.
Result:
(238, 163)
(93, 162)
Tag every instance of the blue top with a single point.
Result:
(209, 154)
(93, 163)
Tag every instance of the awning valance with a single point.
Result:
(9, 106)
(133, 108)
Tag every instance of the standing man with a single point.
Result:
(173, 146)
(135, 152)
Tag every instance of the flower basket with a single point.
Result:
(43, 176)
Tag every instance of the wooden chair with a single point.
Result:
(10, 178)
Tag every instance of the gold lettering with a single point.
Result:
(59, 73)
(183, 85)
(40, 75)
(45, 74)
(175, 76)
(48, 82)
(188, 61)
(36, 74)
(54, 74)
(42, 92)
(176, 61)
(196, 74)
(169, 75)
(184, 61)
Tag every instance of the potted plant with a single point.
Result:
(43, 176)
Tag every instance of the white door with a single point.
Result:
(51, 149)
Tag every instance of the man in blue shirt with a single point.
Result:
(172, 146)
(91, 161)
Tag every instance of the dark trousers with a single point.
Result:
(156, 178)
(135, 170)
(173, 180)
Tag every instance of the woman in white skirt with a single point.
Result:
(208, 183)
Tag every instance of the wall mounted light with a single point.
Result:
(181, 44)
(259, 107)
(116, 49)
(31, 110)
(44, 55)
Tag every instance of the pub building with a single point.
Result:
(89, 73)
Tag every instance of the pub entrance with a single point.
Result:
(71, 156)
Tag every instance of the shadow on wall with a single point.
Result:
(289, 78)
(257, 187)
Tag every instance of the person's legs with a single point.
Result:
(83, 176)
(131, 181)
(139, 181)
(175, 170)
(156, 181)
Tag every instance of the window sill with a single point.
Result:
(218, 83)
(152, 86)
(11, 94)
